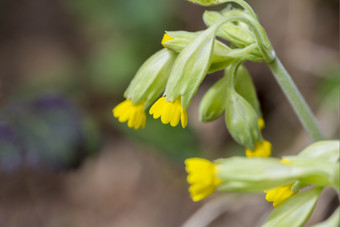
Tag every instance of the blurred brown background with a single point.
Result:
(64, 160)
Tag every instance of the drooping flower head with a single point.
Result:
(201, 177)
(148, 83)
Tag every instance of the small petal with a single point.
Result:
(262, 150)
(133, 114)
(169, 112)
(280, 194)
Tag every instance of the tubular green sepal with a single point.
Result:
(239, 36)
(244, 86)
(240, 116)
(150, 80)
(214, 102)
(191, 66)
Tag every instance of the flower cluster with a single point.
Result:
(168, 80)
(317, 165)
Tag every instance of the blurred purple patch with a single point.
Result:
(10, 152)
(51, 101)
(50, 130)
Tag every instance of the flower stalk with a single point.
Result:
(295, 98)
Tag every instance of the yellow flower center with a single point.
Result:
(280, 194)
(165, 39)
(201, 177)
(169, 112)
(133, 114)
(262, 150)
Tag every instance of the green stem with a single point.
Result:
(296, 100)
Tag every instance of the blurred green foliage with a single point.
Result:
(328, 88)
(174, 142)
(123, 34)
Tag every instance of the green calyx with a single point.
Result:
(241, 117)
(257, 175)
(150, 80)
(239, 34)
(244, 85)
(214, 101)
(242, 30)
(222, 55)
(190, 67)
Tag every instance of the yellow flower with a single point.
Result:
(261, 123)
(280, 194)
(165, 39)
(201, 177)
(262, 150)
(133, 114)
(169, 112)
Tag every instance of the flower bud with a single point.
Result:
(214, 101)
(222, 54)
(244, 86)
(241, 120)
(190, 67)
(178, 39)
(240, 116)
(239, 34)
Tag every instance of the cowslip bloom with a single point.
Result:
(169, 112)
(279, 194)
(132, 113)
(262, 149)
(201, 177)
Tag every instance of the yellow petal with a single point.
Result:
(280, 194)
(262, 150)
(169, 112)
(201, 177)
(133, 114)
